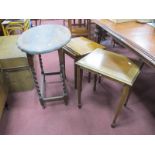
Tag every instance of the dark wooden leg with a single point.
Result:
(98, 34)
(123, 100)
(31, 64)
(79, 89)
(63, 55)
(95, 79)
(99, 79)
(41, 64)
(81, 79)
(64, 64)
(89, 77)
(43, 80)
(61, 61)
(75, 74)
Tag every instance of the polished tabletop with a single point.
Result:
(110, 64)
(139, 36)
(44, 39)
(81, 46)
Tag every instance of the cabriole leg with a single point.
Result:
(122, 101)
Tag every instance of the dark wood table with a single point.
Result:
(139, 37)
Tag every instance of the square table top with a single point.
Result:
(115, 66)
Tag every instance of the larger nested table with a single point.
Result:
(40, 40)
(137, 36)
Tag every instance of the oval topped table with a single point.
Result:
(40, 40)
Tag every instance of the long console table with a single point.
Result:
(137, 36)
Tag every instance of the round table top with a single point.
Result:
(44, 39)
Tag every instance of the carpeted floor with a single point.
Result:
(26, 116)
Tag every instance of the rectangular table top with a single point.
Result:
(138, 36)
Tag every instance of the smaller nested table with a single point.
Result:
(40, 40)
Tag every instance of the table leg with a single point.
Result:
(98, 34)
(99, 79)
(31, 64)
(79, 85)
(123, 100)
(89, 77)
(61, 61)
(75, 74)
(95, 79)
(41, 64)
(63, 55)
(42, 88)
